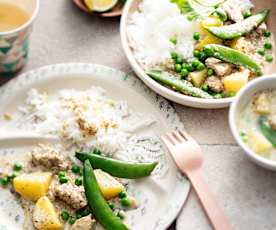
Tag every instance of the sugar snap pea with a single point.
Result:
(118, 168)
(232, 56)
(100, 208)
(266, 130)
(240, 28)
(182, 86)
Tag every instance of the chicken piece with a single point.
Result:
(221, 68)
(272, 121)
(244, 45)
(215, 84)
(233, 10)
(49, 158)
(71, 194)
(261, 104)
(84, 223)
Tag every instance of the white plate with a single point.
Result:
(165, 195)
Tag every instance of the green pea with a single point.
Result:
(247, 14)
(269, 58)
(184, 73)
(121, 214)
(261, 52)
(197, 53)
(179, 60)
(111, 205)
(61, 174)
(75, 169)
(218, 96)
(200, 66)
(178, 68)
(268, 46)
(267, 33)
(78, 216)
(202, 56)
(210, 72)
(205, 87)
(12, 176)
(195, 63)
(65, 215)
(63, 180)
(125, 202)
(4, 181)
(196, 36)
(188, 67)
(72, 220)
(122, 194)
(231, 94)
(174, 55)
(173, 40)
(17, 167)
(244, 136)
(78, 181)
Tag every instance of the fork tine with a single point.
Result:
(185, 135)
(166, 141)
(172, 138)
(179, 137)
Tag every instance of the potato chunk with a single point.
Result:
(109, 186)
(235, 81)
(261, 104)
(198, 77)
(32, 186)
(258, 143)
(45, 216)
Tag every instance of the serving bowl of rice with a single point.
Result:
(146, 31)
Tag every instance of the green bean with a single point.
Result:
(100, 208)
(118, 168)
(182, 86)
(240, 28)
(232, 56)
(266, 130)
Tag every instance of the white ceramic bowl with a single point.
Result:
(132, 6)
(242, 99)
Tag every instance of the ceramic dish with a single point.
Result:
(115, 12)
(130, 8)
(243, 97)
(171, 187)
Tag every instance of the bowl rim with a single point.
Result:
(234, 108)
(160, 89)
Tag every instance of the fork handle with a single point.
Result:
(208, 201)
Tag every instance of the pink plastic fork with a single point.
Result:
(188, 157)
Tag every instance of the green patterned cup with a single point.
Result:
(14, 44)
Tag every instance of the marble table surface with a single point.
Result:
(248, 193)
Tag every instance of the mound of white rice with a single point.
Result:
(151, 28)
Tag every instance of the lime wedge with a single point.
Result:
(100, 5)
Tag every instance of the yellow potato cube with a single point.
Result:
(109, 186)
(235, 81)
(262, 104)
(258, 143)
(32, 186)
(45, 216)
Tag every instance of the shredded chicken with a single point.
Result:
(69, 193)
(215, 84)
(84, 223)
(221, 68)
(86, 127)
(49, 158)
(233, 10)
(272, 121)
(245, 45)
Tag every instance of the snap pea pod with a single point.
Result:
(100, 209)
(240, 28)
(232, 56)
(118, 168)
(267, 131)
(182, 86)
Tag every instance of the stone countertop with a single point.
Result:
(62, 33)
